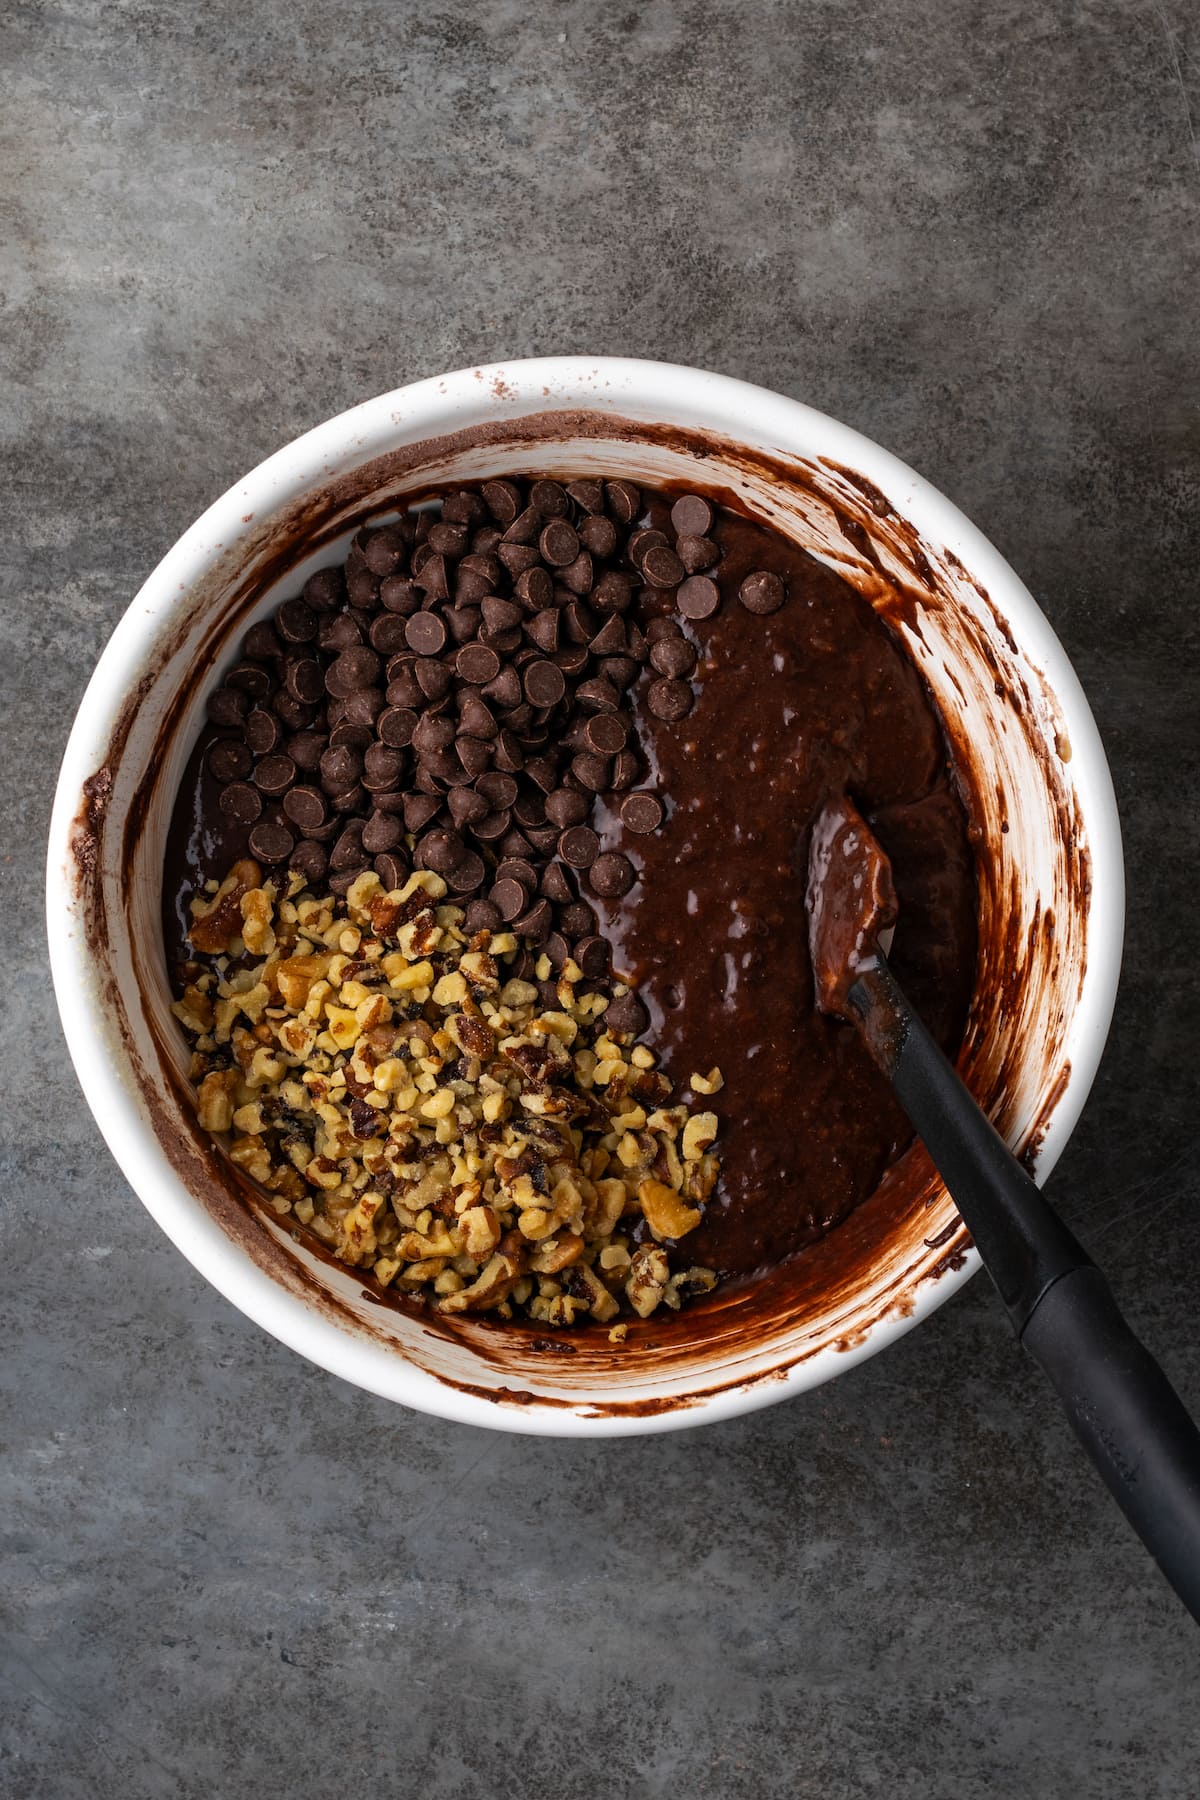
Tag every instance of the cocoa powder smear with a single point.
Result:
(773, 689)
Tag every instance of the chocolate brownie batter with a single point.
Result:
(714, 686)
(810, 701)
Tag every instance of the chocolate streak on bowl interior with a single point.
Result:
(903, 577)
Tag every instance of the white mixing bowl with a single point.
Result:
(1051, 880)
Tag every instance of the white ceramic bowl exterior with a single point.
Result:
(1051, 896)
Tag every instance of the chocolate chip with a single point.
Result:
(566, 806)
(611, 639)
(359, 666)
(517, 557)
(227, 707)
(432, 576)
(549, 499)
(382, 831)
(310, 860)
(524, 528)
(556, 885)
(473, 753)
(476, 717)
(544, 684)
(661, 567)
(419, 809)
(448, 538)
(762, 592)
(352, 800)
(306, 808)
(666, 627)
(626, 769)
(641, 812)
(556, 950)
(387, 634)
(481, 915)
(382, 767)
(509, 898)
(605, 733)
(270, 842)
(425, 633)
(348, 852)
(613, 592)
(579, 847)
(591, 771)
(647, 538)
(543, 628)
(696, 553)
(492, 827)
(579, 575)
(543, 771)
(534, 587)
(384, 550)
(698, 597)
(669, 699)
(673, 656)
(579, 625)
(463, 622)
(626, 1016)
(535, 924)
(340, 633)
(466, 874)
(433, 678)
(558, 543)
(593, 955)
(691, 516)
(464, 507)
(229, 760)
(262, 642)
(542, 838)
(517, 868)
(598, 695)
(274, 775)
(325, 590)
(392, 870)
(240, 802)
(612, 875)
(465, 806)
(477, 664)
(599, 535)
(505, 690)
(296, 623)
(577, 920)
(624, 501)
(396, 725)
(529, 809)
(340, 768)
(503, 500)
(508, 754)
(306, 749)
(400, 596)
(363, 706)
(499, 790)
(305, 679)
(389, 800)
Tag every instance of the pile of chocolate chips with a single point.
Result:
(457, 697)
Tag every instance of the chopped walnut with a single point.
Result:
(393, 1088)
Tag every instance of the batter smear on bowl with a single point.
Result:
(485, 899)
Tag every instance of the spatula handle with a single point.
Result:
(1121, 1405)
(1128, 1417)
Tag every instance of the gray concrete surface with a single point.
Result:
(969, 230)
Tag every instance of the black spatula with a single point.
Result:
(1124, 1410)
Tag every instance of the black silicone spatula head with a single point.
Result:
(1120, 1403)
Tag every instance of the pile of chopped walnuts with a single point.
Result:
(428, 1117)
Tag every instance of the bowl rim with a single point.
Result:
(354, 437)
